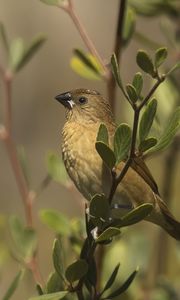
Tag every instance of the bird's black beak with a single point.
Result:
(65, 99)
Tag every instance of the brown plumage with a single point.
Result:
(85, 111)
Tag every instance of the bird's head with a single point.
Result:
(85, 105)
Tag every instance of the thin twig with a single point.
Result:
(32, 265)
(118, 46)
(7, 137)
(11, 148)
(137, 109)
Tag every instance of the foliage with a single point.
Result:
(101, 227)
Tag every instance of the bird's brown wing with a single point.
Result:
(140, 167)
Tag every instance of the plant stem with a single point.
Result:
(118, 46)
(11, 148)
(7, 137)
(33, 266)
(80, 294)
(137, 109)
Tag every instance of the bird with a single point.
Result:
(85, 111)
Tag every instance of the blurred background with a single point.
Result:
(38, 120)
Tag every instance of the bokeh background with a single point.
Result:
(38, 120)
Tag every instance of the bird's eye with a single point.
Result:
(83, 100)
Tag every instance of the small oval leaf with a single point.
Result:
(99, 207)
(30, 50)
(138, 83)
(3, 37)
(102, 135)
(147, 144)
(108, 234)
(169, 132)
(55, 167)
(136, 215)
(129, 25)
(145, 63)
(122, 142)
(147, 119)
(131, 91)
(116, 73)
(25, 238)
(86, 65)
(106, 154)
(57, 258)
(56, 221)
(16, 53)
(160, 56)
(53, 296)
(77, 270)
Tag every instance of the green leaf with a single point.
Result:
(129, 25)
(57, 258)
(116, 73)
(13, 286)
(147, 144)
(147, 119)
(168, 96)
(99, 207)
(102, 135)
(145, 62)
(16, 53)
(30, 51)
(53, 296)
(3, 37)
(136, 215)
(25, 238)
(173, 69)
(86, 65)
(111, 279)
(131, 91)
(124, 287)
(122, 142)
(169, 132)
(53, 2)
(106, 154)
(56, 221)
(138, 83)
(107, 234)
(54, 283)
(148, 8)
(55, 167)
(20, 55)
(77, 270)
(160, 56)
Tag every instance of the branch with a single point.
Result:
(118, 46)
(137, 109)
(7, 137)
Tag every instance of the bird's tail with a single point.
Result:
(170, 224)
